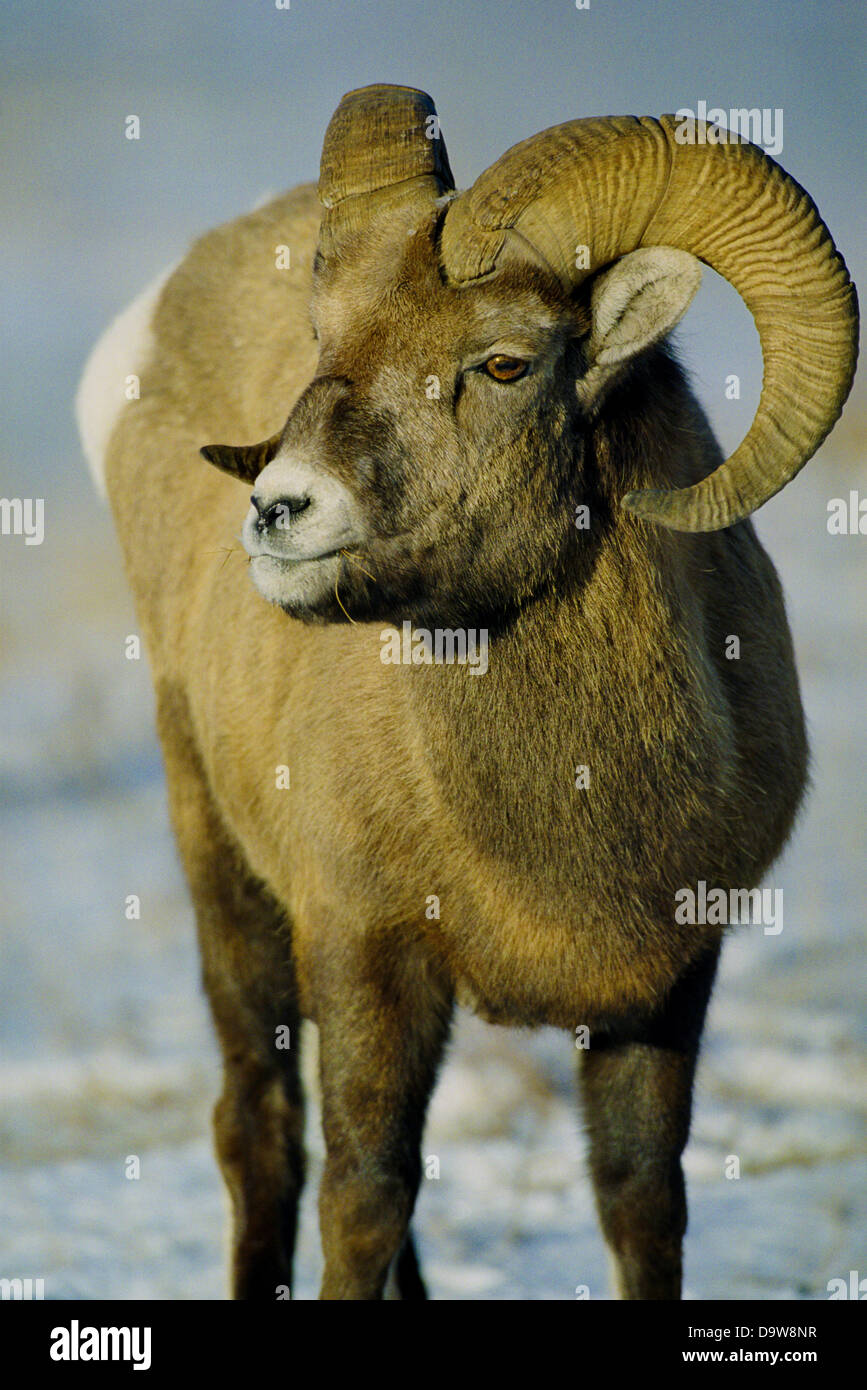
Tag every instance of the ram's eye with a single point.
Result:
(503, 368)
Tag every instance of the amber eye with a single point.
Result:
(503, 368)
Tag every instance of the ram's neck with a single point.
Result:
(590, 692)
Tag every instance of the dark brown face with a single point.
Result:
(429, 468)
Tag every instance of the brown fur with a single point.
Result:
(607, 649)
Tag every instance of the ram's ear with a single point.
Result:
(244, 461)
(633, 304)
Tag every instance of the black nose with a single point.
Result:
(281, 512)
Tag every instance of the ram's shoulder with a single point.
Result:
(289, 220)
(257, 264)
(237, 286)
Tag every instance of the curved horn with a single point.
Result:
(382, 147)
(244, 461)
(620, 183)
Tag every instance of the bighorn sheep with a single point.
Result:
(468, 382)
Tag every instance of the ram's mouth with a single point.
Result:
(287, 563)
(297, 585)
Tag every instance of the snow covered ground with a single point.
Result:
(105, 1044)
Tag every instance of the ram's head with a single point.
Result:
(469, 341)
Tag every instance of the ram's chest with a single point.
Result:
(566, 958)
(550, 904)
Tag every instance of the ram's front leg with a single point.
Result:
(637, 1089)
(383, 1021)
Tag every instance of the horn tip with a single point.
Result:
(664, 507)
(642, 503)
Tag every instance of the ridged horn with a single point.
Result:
(620, 183)
(382, 148)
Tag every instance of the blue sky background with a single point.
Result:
(234, 97)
